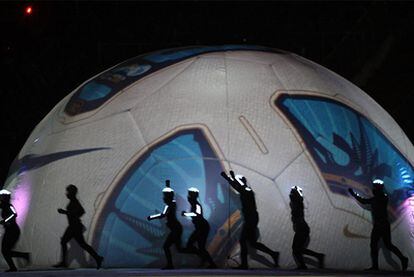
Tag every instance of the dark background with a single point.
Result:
(45, 55)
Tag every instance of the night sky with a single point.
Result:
(47, 54)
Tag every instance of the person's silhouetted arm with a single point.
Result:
(160, 215)
(192, 214)
(10, 217)
(224, 175)
(232, 180)
(74, 209)
(359, 198)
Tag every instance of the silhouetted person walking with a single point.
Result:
(249, 233)
(202, 228)
(302, 230)
(381, 228)
(11, 231)
(176, 230)
(74, 211)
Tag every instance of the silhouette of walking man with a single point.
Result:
(202, 228)
(74, 211)
(176, 230)
(249, 233)
(302, 230)
(11, 231)
(381, 228)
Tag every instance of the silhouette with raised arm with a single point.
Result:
(176, 230)
(74, 211)
(11, 231)
(302, 231)
(202, 228)
(381, 225)
(249, 233)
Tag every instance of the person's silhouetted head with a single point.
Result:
(192, 194)
(296, 193)
(168, 193)
(71, 191)
(378, 187)
(4, 197)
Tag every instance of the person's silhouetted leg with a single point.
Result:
(190, 248)
(307, 251)
(10, 238)
(200, 235)
(260, 246)
(8, 242)
(177, 239)
(82, 243)
(196, 236)
(394, 249)
(167, 244)
(17, 254)
(174, 237)
(243, 254)
(67, 236)
(64, 249)
(319, 256)
(375, 237)
(299, 241)
(299, 259)
(251, 235)
(9, 260)
(203, 253)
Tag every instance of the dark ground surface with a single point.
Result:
(202, 272)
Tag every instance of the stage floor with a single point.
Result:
(118, 272)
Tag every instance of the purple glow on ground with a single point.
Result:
(21, 198)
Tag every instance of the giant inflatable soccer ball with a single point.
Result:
(186, 115)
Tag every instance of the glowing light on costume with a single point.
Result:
(168, 190)
(5, 192)
(378, 181)
(239, 178)
(192, 189)
(190, 214)
(13, 215)
(299, 190)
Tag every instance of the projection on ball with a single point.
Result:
(96, 92)
(188, 114)
(187, 159)
(348, 149)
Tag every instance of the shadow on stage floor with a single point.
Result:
(200, 272)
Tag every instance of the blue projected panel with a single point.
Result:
(348, 149)
(96, 92)
(126, 238)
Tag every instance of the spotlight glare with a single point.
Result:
(29, 10)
